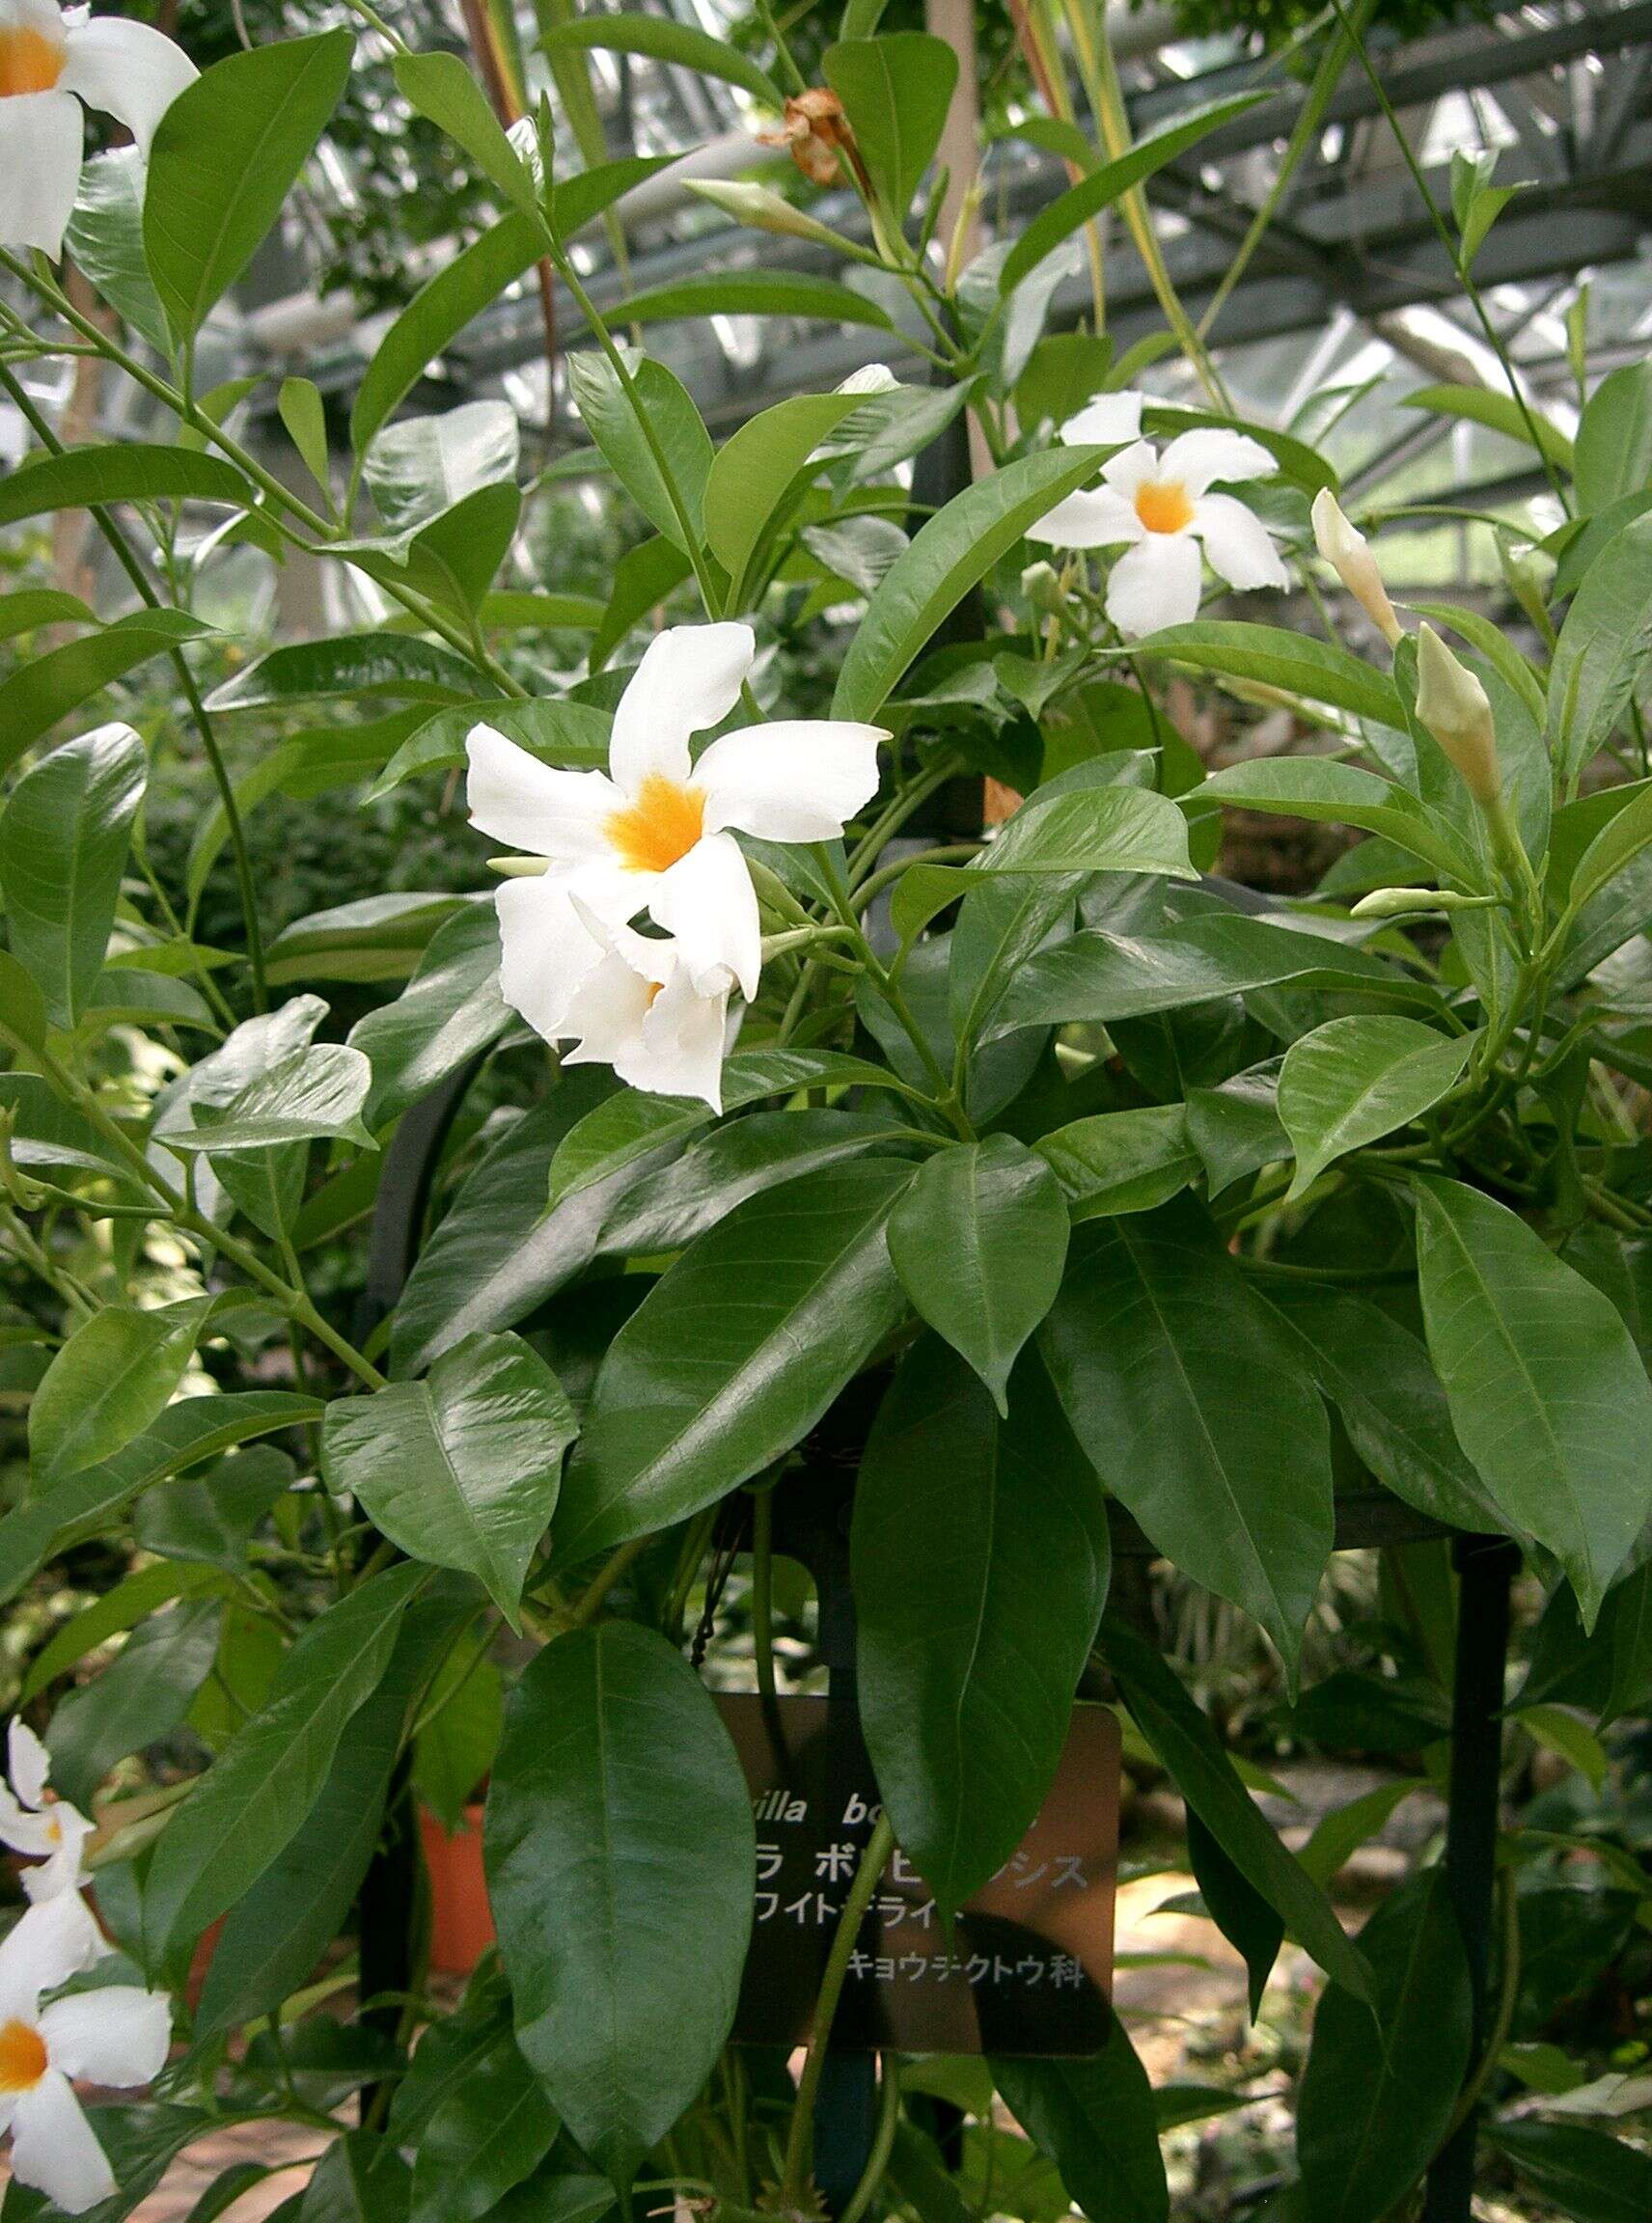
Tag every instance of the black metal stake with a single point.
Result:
(1485, 1569)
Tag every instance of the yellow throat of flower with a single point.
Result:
(1162, 505)
(29, 62)
(663, 824)
(22, 2057)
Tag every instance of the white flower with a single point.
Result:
(655, 832)
(13, 436)
(1349, 555)
(1161, 506)
(51, 1830)
(114, 2034)
(49, 63)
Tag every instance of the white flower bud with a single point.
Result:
(766, 210)
(1348, 553)
(1452, 704)
(1043, 588)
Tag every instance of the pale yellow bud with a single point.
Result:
(1349, 555)
(1411, 902)
(766, 210)
(1043, 588)
(1452, 704)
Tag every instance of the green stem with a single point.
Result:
(800, 2132)
(762, 1589)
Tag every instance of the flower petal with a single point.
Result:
(798, 781)
(68, 1830)
(28, 1763)
(55, 2149)
(537, 806)
(708, 901)
(1101, 519)
(1237, 543)
(40, 146)
(129, 70)
(1199, 458)
(681, 1046)
(1107, 422)
(546, 950)
(606, 1016)
(21, 1831)
(1155, 583)
(117, 2035)
(689, 679)
(43, 1948)
(1126, 472)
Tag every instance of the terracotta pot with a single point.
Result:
(461, 1921)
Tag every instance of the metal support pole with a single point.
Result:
(1485, 1569)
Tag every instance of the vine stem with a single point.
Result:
(800, 2132)
(130, 563)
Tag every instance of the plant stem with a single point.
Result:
(763, 1590)
(800, 2132)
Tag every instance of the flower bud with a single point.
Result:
(1452, 704)
(1348, 553)
(766, 210)
(1411, 902)
(1043, 588)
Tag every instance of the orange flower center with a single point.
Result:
(662, 825)
(22, 2057)
(1162, 505)
(29, 62)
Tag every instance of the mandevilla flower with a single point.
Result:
(47, 1830)
(51, 61)
(655, 831)
(639, 1010)
(1454, 706)
(115, 2034)
(1162, 507)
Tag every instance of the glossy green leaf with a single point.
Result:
(1107, 829)
(108, 1381)
(1586, 2174)
(979, 1240)
(313, 1093)
(456, 1748)
(64, 836)
(488, 2135)
(1194, 1412)
(140, 1697)
(754, 468)
(1352, 1080)
(124, 471)
(557, 732)
(223, 161)
(1619, 841)
(437, 313)
(1548, 1392)
(895, 91)
(421, 467)
(1244, 1918)
(665, 40)
(450, 1012)
(1601, 652)
(609, 418)
(1207, 1778)
(1498, 412)
(966, 1678)
(442, 87)
(954, 551)
(1121, 1160)
(1080, 202)
(350, 664)
(777, 293)
(105, 238)
(462, 1468)
(212, 1517)
(1615, 439)
(734, 1355)
(620, 1855)
(48, 687)
(1338, 794)
(253, 1799)
(1096, 2120)
(1299, 662)
(1381, 2079)
(132, 1600)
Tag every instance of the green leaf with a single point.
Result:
(953, 553)
(315, 1092)
(610, 420)
(1189, 1402)
(1619, 841)
(462, 1468)
(124, 471)
(895, 91)
(253, 1797)
(621, 1856)
(351, 664)
(1121, 1160)
(775, 293)
(1547, 1390)
(1498, 413)
(1342, 795)
(456, 1748)
(979, 1240)
(1602, 651)
(105, 238)
(1614, 438)
(1381, 2079)
(1097, 978)
(448, 1013)
(580, 200)
(1244, 1918)
(1587, 2174)
(557, 733)
(441, 87)
(142, 1696)
(1103, 828)
(420, 467)
(435, 317)
(966, 1678)
(1296, 661)
(753, 474)
(110, 1380)
(304, 414)
(226, 154)
(1080, 202)
(41, 691)
(1207, 1778)
(1096, 2120)
(663, 41)
(131, 1601)
(485, 2138)
(734, 1355)
(212, 1517)
(64, 837)
(1352, 1080)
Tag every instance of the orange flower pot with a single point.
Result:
(461, 1921)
